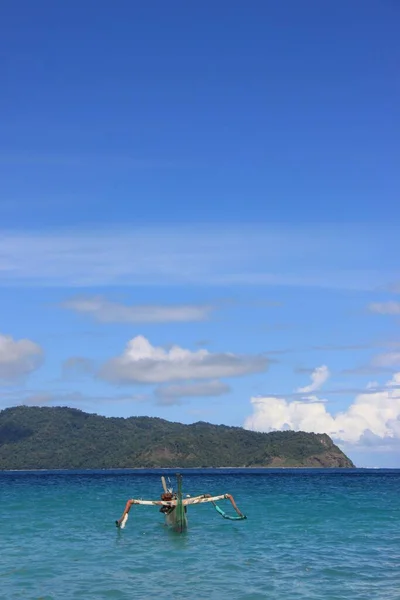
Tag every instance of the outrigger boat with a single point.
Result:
(174, 506)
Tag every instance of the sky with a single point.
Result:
(200, 216)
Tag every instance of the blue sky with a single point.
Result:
(199, 214)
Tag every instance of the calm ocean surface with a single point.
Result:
(331, 535)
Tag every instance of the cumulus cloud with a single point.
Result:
(105, 311)
(172, 394)
(143, 363)
(373, 413)
(318, 378)
(18, 358)
(385, 308)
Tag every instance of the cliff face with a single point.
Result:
(65, 438)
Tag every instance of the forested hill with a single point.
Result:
(65, 438)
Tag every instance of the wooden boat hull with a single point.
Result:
(176, 521)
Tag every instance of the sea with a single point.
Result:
(309, 534)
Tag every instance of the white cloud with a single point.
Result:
(169, 393)
(111, 312)
(143, 363)
(371, 413)
(318, 378)
(385, 308)
(18, 358)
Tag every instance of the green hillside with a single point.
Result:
(66, 438)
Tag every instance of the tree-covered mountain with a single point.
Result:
(65, 438)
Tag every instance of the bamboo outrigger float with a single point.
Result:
(174, 506)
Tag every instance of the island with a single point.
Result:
(33, 437)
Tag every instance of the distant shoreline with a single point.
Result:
(182, 469)
(199, 469)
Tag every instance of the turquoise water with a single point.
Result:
(309, 535)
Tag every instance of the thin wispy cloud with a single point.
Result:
(385, 308)
(383, 363)
(201, 389)
(393, 287)
(387, 360)
(75, 399)
(77, 366)
(104, 311)
(76, 160)
(329, 348)
(344, 347)
(252, 255)
(367, 370)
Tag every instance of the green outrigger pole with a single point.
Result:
(174, 506)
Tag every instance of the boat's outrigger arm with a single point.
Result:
(213, 500)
